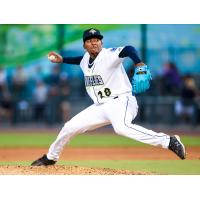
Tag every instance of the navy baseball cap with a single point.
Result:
(91, 33)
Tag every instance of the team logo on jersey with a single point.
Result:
(113, 49)
(93, 80)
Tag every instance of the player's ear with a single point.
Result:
(84, 45)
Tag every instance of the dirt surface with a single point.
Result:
(64, 170)
(71, 153)
(130, 153)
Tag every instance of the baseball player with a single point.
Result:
(113, 95)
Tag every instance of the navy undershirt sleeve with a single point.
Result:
(73, 60)
(130, 51)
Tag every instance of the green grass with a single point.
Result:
(88, 140)
(179, 167)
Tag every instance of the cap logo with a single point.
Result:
(92, 31)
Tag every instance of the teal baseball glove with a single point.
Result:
(141, 79)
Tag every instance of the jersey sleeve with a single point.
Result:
(116, 50)
(73, 60)
(114, 53)
(130, 51)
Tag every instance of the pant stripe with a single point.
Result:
(135, 128)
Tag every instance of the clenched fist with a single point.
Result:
(55, 57)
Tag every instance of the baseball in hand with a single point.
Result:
(52, 57)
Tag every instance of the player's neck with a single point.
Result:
(93, 55)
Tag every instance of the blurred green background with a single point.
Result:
(21, 44)
(35, 92)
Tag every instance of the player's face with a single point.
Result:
(93, 46)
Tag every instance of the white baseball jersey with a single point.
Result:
(107, 77)
(104, 81)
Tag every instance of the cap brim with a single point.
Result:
(93, 36)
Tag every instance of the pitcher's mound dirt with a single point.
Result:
(63, 170)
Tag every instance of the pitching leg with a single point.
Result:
(89, 119)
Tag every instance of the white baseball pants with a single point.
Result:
(119, 112)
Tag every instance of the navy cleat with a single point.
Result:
(177, 147)
(43, 161)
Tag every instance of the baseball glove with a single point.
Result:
(141, 79)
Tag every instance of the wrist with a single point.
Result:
(140, 64)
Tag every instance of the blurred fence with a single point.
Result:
(157, 109)
(152, 110)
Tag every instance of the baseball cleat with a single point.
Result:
(43, 161)
(177, 147)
